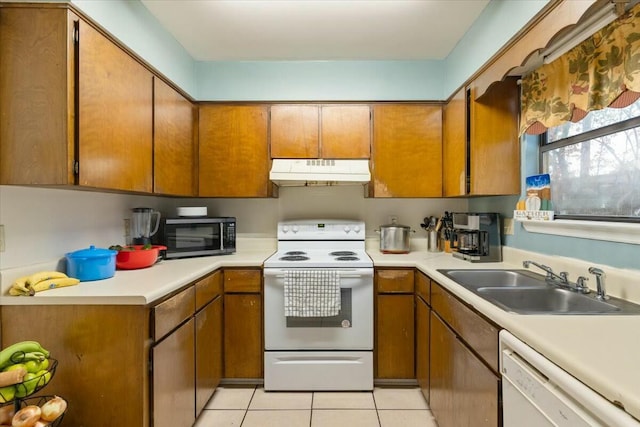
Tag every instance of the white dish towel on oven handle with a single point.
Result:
(311, 293)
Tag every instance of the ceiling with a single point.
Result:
(279, 30)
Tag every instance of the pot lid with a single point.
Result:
(394, 223)
(91, 252)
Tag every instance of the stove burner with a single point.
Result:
(294, 258)
(347, 258)
(342, 253)
(295, 253)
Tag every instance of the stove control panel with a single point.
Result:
(321, 230)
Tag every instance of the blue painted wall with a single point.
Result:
(320, 80)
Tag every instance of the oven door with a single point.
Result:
(351, 329)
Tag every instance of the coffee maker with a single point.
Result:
(476, 237)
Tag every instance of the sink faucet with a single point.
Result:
(560, 279)
(601, 291)
(551, 278)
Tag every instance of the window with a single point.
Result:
(594, 165)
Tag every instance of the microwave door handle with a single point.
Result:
(221, 235)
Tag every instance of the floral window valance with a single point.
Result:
(603, 71)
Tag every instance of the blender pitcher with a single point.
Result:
(141, 225)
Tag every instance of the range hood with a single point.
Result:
(307, 172)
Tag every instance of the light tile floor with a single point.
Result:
(253, 407)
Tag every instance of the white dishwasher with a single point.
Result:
(537, 393)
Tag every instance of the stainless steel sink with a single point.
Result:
(548, 299)
(476, 278)
(524, 292)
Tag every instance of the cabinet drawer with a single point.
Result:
(423, 288)
(208, 288)
(242, 280)
(394, 280)
(170, 313)
(477, 332)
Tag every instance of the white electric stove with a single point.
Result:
(320, 353)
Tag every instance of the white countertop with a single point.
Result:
(601, 350)
(138, 287)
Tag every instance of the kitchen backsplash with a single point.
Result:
(42, 224)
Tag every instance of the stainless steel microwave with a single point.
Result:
(198, 236)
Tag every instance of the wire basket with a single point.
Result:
(29, 385)
(38, 401)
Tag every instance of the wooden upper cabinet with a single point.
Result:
(174, 145)
(115, 116)
(294, 131)
(345, 131)
(495, 147)
(407, 150)
(233, 151)
(320, 131)
(454, 146)
(481, 149)
(36, 95)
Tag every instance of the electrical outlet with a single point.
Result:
(2, 248)
(393, 219)
(507, 226)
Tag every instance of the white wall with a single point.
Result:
(41, 224)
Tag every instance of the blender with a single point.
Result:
(141, 225)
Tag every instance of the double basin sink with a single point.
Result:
(524, 292)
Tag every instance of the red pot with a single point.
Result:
(134, 256)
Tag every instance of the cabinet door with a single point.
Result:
(422, 345)
(295, 131)
(463, 391)
(407, 150)
(174, 379)
(454, 146)
(345, 132)
(243, 336)
(495, 147)
(36, 96)
(208, 352)
(234, 159)
(395, 337)
(115, 116)
(174, 148)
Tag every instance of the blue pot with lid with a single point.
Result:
(91, 264)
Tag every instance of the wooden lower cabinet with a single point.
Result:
(243, 347)
(208, 345)
(463, 391)
(243, 343)
(394, 347)
(174, 378)
(422, 345)
(103, 358)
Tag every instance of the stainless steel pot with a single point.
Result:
(395, 238)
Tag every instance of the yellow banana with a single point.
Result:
(44, 275)
(54, 283)
(20, 287)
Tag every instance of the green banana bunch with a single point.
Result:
(22, 352)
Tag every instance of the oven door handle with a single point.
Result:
(344, 274)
